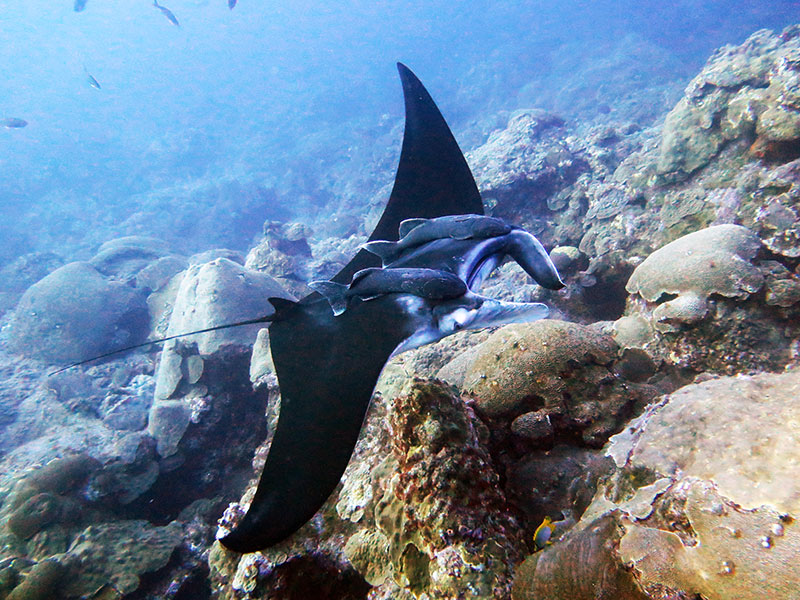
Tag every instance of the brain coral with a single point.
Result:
(716, 260)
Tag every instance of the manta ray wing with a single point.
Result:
(328, 366)
(432, 179)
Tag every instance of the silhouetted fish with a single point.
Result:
(167, 13)
(79, 5)
(231, 4)
(92, 81)
(13, 123)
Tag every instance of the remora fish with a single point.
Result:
(371, 283)
(474, 258)
(415, 232)
(167, 13)
(13, 123)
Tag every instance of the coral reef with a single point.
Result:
(743, 92)
(419, 512)
(523, 165)
(680, 246)
(446, 524)
(553, 380)
(702, 501)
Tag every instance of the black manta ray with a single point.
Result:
(394, 295)
(328, 364)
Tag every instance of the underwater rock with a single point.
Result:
(558, 483)
(127, 456)
(585, 566)
(118, 554)
(519, 167)
(75, 313)
(707, 500)
(123, 258)
(568, 259)
(606, 84)
(157, 274)
(42, 582)
(208, 256)
(222, 292)
(126, 408)
(284, 253)
(18, 275)
(776, 218)
(554, 370)
(215, 293)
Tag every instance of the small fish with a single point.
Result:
(167, 13)
(13, 123)
(231, 4)
(92, 81)
(79, 5)
(541, 537)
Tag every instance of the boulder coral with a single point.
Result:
(75, 313)
(710, 301)
(115, 555)
(552, 380)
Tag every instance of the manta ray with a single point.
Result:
(412, 283)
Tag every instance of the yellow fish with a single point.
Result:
(541, 537)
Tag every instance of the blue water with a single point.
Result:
(292, 100)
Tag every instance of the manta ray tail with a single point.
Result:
(266, 319)
(335, 294)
